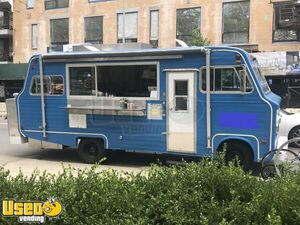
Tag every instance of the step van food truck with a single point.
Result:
(184, 101)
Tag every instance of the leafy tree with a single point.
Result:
(198, 39)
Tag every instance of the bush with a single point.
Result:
(207, 192)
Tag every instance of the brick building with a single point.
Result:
(256, 25)
(6, 32)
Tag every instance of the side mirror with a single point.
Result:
(243, 79)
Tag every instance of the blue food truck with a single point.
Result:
(184, 101)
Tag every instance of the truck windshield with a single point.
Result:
(261, 78)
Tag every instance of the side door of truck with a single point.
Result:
(181, 111)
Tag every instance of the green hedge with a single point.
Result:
(207, 192)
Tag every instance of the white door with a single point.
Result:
(181, 112)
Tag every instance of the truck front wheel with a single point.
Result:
(91, 150)
(239, 150)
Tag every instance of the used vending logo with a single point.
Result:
(31, 211)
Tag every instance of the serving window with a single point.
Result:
(127, 80)
(82, 80)
(115, 80)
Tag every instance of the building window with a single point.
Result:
(2, 50)
(187, 21)
(59, 31)
(93, 27)
(130, 31)
(236, 17)
(5, 49)
(284, 26)
(154, 27)
(5, 20)
(34, 40)
(56, 4)
(99, 0)
(29, 4)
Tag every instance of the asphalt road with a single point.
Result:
(17, 158)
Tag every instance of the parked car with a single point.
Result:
(290, 126)
(294, 71)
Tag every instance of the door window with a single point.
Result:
(181, 95)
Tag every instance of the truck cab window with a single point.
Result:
(225, 79)
(82, 80)
(53, 85)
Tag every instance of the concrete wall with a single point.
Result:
(261, 20)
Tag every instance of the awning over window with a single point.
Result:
(13, 71)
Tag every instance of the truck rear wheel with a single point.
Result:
(91, 150)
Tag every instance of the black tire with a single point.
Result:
(294, 133)
(241, 151)
(91, 150)
(268, 172)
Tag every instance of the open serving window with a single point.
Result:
(127, 80)
(113, 87)
(114, 80)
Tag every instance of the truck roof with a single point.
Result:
(131, 52)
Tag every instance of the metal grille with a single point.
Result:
(2, 91)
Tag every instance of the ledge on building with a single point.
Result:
(247, 47)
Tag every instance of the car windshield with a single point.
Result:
(261, 78)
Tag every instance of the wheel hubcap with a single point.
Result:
(92, 150)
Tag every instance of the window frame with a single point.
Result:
(100, 41)
(200, 20)
(96, 79)
(153, 42)
(47, 76)
(223, 24)
(69, 83)
(286, 28)
(29, 6)
(56, 4)
(34, 38)
(128, 40)
(187, 96)
(59, 43)
(248, 77)
(96, 1)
